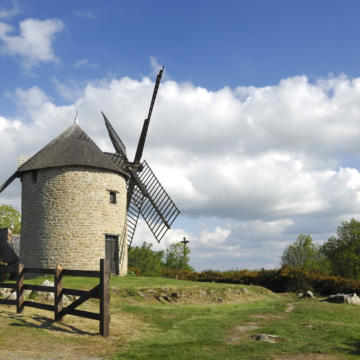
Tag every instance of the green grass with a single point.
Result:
(193, 329)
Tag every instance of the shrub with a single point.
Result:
(132, 271)
(277, 280)
(4, 275)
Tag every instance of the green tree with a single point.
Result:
(343, 250)
(10, 218)
(177, 257)
(304, 254)
(148, 261)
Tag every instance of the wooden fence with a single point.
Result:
(100, 291)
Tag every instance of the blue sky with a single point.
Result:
(255, 130)
(210, 43)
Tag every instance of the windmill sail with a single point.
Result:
(145, 194)
(115, 139)
(158, 210)
(133, 212)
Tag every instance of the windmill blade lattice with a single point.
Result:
(157, 209)
(133, 212)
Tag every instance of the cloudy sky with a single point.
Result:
(256, 128)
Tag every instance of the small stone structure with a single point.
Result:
(9, 246)
(73, 201)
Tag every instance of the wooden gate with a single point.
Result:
(100, 291)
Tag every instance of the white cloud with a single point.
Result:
(13, 11)
(70, 90)
(269, 163)
(87, 14)
(155, 66)
(34, 42)
(84, 63)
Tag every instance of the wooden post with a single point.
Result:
(19, 288)
(104, 297)
(58, 293)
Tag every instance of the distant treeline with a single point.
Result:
(329, 268)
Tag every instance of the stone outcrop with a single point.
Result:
(343, 299)
(265, 337)
(307, 294)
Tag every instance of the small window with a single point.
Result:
(112, 197)
(34, 176)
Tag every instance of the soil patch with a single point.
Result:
(35, 336)
(306, 357)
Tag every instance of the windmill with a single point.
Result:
(145, 194)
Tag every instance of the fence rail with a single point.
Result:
(100, 291)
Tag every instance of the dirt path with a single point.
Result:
(240, 332)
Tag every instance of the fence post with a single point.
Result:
(104, 297)
(19, 288)
(58, 292)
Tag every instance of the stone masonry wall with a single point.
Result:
(66, 213)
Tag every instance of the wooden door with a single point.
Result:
(112, 252)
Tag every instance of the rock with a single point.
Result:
(12, 296)
(66, 301)
(5, 292)
(46, 296)
(343, 299)
(202, 293)
(308, 294)
(175, 295)
(151, 291)
(243, 290)
(220, 299)
(27, 293)
(166, 297)
(141, 294)
(47, 283)
(265, 337)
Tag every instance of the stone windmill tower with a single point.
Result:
(73, 197)
(80, 204)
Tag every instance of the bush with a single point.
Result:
(277, 280)
(4, 275)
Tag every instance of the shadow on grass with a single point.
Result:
(42, 322)
(355, 347)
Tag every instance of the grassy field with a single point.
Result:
(156, 318)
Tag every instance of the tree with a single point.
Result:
(304, 254)
(10, 218)
(148, 261)
(177, 257)
(343, 250)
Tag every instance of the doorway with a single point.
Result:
(112, 252)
